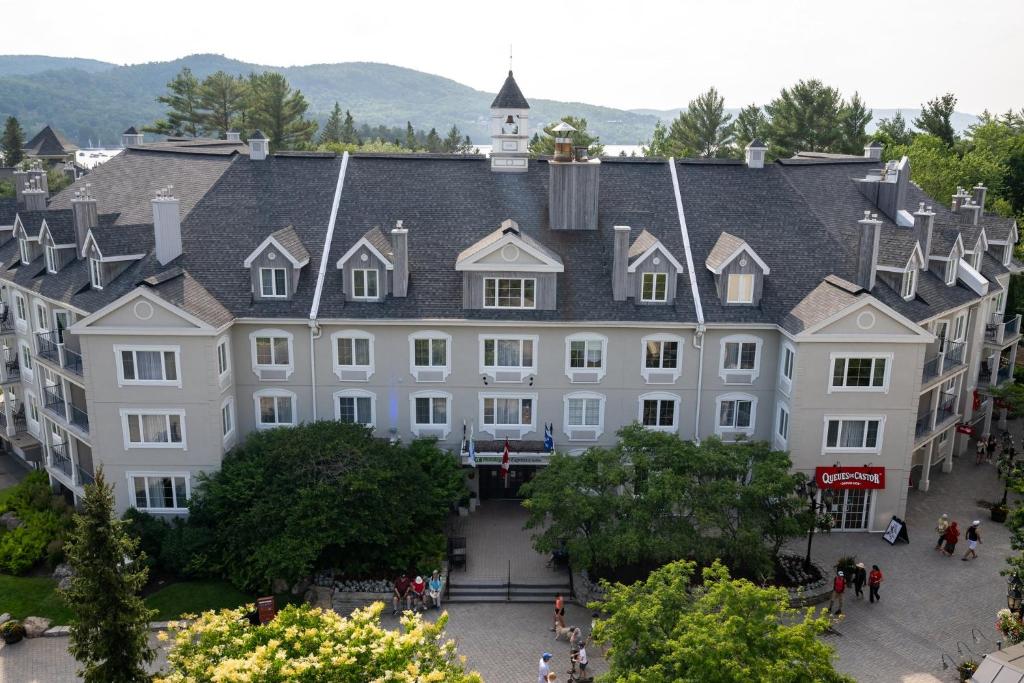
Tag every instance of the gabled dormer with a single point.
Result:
(947, 251)
(739, 271)
(57, 239)
(368, 267)
(110, 250)
(509, 270)
(644, 270)
(26, 231)
(276, 265)
(908, 278)
(977, 251)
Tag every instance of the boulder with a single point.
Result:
(35, 626)
(62, 574)
(319, 596)
(301, 585)
(10, 521)
(4, 618)
(279, 586)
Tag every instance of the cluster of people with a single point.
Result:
(859, 577)
(417, 594)
(949, 536)
(577, 646)
(987, 448)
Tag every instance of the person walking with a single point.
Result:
(982, 448)
(838, 588)
(951, 537)
(973, 539)
(559, 612)
(874, 581)
(940, 529)
(860, 576)
(993, 445)
(543, 668)
(582, 660)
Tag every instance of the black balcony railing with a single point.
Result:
(61, 460)
(85, 477)
(6, 322)
(72, 361)
(48, 343)
(947, 408)
(13, 370)
(53, 399)
(79, 418)
(924, 424)
(954, 355)
(931, 368)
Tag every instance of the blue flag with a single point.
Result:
(549, 438)
(472, 448)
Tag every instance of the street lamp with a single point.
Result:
(809, 488)
(1014, 596)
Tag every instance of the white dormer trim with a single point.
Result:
(657, 246)
(272, 241)
(967, 274)
(732, 257)
(547, 265)
(363, 242)
(44, 232)
(91, 239)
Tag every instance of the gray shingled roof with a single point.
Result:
(725, 247)
(49, 143)
(895, 245)
(510, 96)
(831, 296)
(292, 243)
(184, 291)
(376, 237)
(641, 244)
(123, 240)
(8, 210)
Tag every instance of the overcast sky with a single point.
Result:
(627, 54)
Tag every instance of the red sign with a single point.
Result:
(965, 429)
(850, 477)
(266, 608)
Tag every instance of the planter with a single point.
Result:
(999, 513)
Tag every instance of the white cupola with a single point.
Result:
(510, 129)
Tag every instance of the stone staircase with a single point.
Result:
(463, 589)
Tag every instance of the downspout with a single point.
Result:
(314, 334)
(698, 308)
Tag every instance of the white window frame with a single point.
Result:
(223, 359)
(524, 371)
(587, 338)
(364, 274)
(522, 293)
(368, 368)
(846, 357)
(659, 396)
(418, 429)
(288, 368)
(40, 316)
(825, 448)
(158, 475)
(908, 284)
(951, 268)
(520, 428)
(787, 355)
(228, 404)
(430, 336)
(646, 372)
(24, 251)
(737, 295)
(50, 252)
(750, 374)
(20, 312)
(725, 429)
(31, 401)
(976, 258)
(782, 423)
(959, 327)
(571, 430)
(273, 280)
(356, 394)
(654, 288)
(133, 349)
(167, 413)
(95, 273)
(26, 364)
(999, 303)
(275, 393)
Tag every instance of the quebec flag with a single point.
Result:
(549, 438)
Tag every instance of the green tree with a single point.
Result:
(12, 142)
(453, 141)
(280, 112)
(348, 130)
(656, 146)
(751, 123)
(893, 131)
(331, 132)
(433, 141)
(936, 118)
(853, 122)
(222, 98)
(544, 145)
(805, 117)
(664, 630)
(410, 137)
(704, 130)
(184, 110)
(110, 629)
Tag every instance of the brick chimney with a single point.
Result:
(620, 263)
(869, 230)
(924, 222)
(166, 225)
(400, 251)
(85, 216)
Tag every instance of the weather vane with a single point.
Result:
(510, 56)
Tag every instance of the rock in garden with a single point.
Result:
(279, 586)
(318, 596)
(35, 626)
(10, 521)
(62, 574)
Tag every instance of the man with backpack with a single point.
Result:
(838, 588)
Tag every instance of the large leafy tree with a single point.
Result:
(853, 121)
(805, 117)
(280, 112)
(704, 130)
(750, 123)
(110, 627)
(12, 142)
(725, 630)
(544, 145)
(306, 644)
(222, 98)
(936, 118)
(184, 109)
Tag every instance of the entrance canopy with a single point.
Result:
(1002, 666)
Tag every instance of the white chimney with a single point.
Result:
(400, 250)
(233, 136)
(34, 195)
(85, 215)
(166, 225)
(755, 153)
(258, 146)
(873, 150)
(867, 249)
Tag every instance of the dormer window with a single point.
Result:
(951, 266)
(505, 292)
(739, 271)
(273, 283)
(654, 288)
(908, 285)
(51, 259)
(95, 274)
(976, 259)
(26, 256)
(364, 283)
(740, 288)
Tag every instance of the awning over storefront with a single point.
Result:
(1002, 666)
(850, 477)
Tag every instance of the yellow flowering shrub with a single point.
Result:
(304, 643)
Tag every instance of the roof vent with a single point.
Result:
(258, 146)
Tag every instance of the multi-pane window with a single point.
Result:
(856, 434)
(663, 355)
(508, 411)
(20, 312)
(431, 410)
(160, 492)
(859, 372)
(788, 359)
(227, 418)
(740, 356)
(735, 414)
(96, 273)
(503, 292)
(273, 282)
(960, 327)
(26, 255)
(654, 287)
(739, 288)
(42, 320)
(272, 351)
(51, 259)
(222, 357)
(430, 352)
(148, 429)
(583, 412)
(364, 283)
(908, 285)
(951, 265)
(148, 366)
(277, 409)
(586, 353)
(26, 357)
(508, 353)
(355, 409)
(658, 412)
(782, 428)
(353, 351)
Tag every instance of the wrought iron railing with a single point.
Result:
(947, 408)
(53, 400)
(49, 346)
(924, 424)
(78, 417)
(13, 370)
(931, 368)
(72, 361)
(953, 355)
(1002, 329)
(61, 459)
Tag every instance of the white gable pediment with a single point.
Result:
(510, 252)
(271, 241)
(742, 249)
(656, 248)
(361, 244)
(141, 312)
(868, 319)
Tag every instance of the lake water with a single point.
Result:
(609, 150)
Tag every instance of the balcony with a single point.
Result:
(1002, 330)
(61, 460)
(53, 348)
(947, 408)
(952, 357)
(6, 322)
(72, 361)
(924, 425)
(931, 419)
(17, 421)
(12, 371)
(84, 477)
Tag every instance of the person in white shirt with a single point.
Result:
(581, 659)
(543, 668)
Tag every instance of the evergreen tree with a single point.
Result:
(893, 131)
(331, 132)
(280, 112)
(453, 141)
(222, 97)
(657, 145)
(935, 118)
(703, 130)
(805, 117)
(433, 141)
(750, 123)
(12, 142)
(545, 146)
(467, 146)
(110, 627)
(410, 137)
(184, 111)
(348, 130)
(853, 122)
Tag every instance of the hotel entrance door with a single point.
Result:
(493, 486)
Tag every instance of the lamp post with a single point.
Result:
(809, 488)
(1014, 595)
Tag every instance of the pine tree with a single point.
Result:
(280, 112)
(893, 131)
(467, 146)
(331, 132)
(184, 111)
(804, 117)
(853, 121)
(453, 141)
(222, 97)
(410, 137)
(12, 142)
(110, 627)
(348, 130)
(750, 123)
(704, 130)
(655, 147)
(433, 141)
(545, 146)
(935, 118)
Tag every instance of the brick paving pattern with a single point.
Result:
(495, 538)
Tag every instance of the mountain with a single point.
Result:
(21, 65)
(960, 120)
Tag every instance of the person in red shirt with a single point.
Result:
(401, 592)
(874, 581)
(838, 588)
(952, 536)
(419, 591)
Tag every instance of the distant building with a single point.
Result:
(51, 147)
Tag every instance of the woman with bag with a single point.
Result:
(952, 536)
